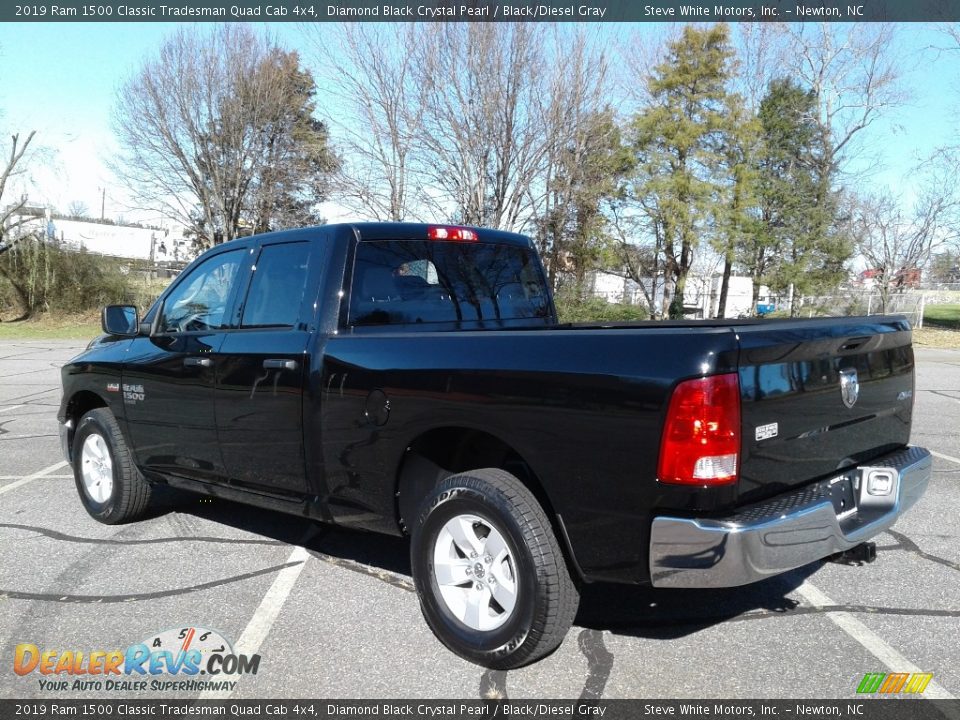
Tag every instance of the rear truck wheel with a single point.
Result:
(111, 488)
(492, 582)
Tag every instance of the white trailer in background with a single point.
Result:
(119, 240)
(125, 241)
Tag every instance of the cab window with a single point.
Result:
(413, 282)
(200, 302)
(275, 293)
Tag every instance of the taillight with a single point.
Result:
(701, 436)
(437, 232)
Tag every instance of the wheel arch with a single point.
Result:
(80, 403)
(443, 451)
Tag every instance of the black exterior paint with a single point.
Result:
(583, 406)
(791, 377)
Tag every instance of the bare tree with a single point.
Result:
(761, 53)
(637, 231)
(13, 223)
(203, 124)
(583, 158)
(78, 209)
(895, 241)
(855, 73)
(10, 218)
(370, 69)
(635, 57)
(485, 105)
(952, 33)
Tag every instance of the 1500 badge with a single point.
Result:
(132, 393)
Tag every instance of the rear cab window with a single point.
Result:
(413, 282)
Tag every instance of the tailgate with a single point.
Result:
(820, 395)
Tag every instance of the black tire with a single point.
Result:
(546, 598)
(129, 493)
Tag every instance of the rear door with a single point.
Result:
(821, 395)
(169, 377)
(261, 370)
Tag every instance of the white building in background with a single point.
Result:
(701, 297)
(610, 287)
(134, 242)
(123, 241)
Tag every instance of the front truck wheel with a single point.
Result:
(111, 487)
(492, 582)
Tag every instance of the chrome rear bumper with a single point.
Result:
(787, 531)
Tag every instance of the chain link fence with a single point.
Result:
(910, 304)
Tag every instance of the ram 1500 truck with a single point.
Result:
(413, 379)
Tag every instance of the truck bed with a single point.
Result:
(583, 406)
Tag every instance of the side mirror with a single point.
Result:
(123, 320)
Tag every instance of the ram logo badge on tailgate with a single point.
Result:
(849, 386)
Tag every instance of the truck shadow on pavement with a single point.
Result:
(622, 609)
(664, 614)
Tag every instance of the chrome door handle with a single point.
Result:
(279, 364)
(197, 362)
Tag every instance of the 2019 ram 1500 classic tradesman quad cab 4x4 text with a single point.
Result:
(413, 379)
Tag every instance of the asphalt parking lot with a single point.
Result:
(332, 613)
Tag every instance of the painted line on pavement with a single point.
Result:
(265, 615)
(940, 455)
(45, 477)
(26, 437)
(12, 407)
(876, 645)
(30, 478)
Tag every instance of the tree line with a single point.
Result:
(714, 149)
(711, 150)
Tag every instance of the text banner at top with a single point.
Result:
(482, 11)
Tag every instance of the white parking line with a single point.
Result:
(12, 407)
(45, 477)
(951, 458)
(29, 478)
(265, 615)
(871, 641)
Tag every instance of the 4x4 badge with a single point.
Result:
(849, 386)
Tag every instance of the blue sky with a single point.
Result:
(60, 80)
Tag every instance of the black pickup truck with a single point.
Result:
(413, 379)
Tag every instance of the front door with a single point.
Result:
(169, 378)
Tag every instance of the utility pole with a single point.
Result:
(103, 203)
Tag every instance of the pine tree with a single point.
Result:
(737, 220)
(679, 140)
(800, 241)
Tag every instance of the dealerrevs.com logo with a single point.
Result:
(186, 659)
